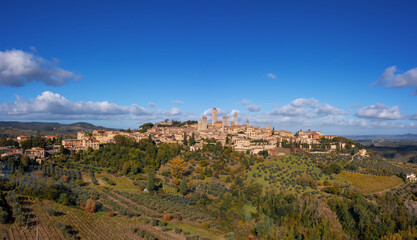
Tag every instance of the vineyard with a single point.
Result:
(49, 220)
(369, 183)
(41, 225)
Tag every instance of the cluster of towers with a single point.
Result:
(203, 125)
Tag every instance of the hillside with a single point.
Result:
(140, 190)
(14, 129)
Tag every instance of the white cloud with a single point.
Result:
(298, 114)
(307, 108)
(253, 108)
(391, 79)
(271, 75)
(53, 106)
(289, 110)
(326, 109)
(175, 111)
(379, 111)
(304, 102)
(178, 102)
(18, 68)
(151, 104)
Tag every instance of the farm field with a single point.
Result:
(368, 183)
(281, 173)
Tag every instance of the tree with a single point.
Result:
(265, 227)
(227, 139)
(284, 143)
(145, 127)
(335, 168)
(151, 181)
(253, 191)
(63, 199)
(90, 206)
(184, 140)
(264, 153)
(183, 187)
(192, 140)
(123, 140)
(178, 166)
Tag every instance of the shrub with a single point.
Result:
(205, 225)
(50, 211)
(162, 224)
(155, 222)
(167, 217)
(111, 213)
(90, 206)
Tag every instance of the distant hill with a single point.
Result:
(404, 137)
(13, 129)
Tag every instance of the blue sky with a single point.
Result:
(343, 67)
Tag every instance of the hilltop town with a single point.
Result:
(242, 137)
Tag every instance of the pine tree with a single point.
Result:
(184, 141)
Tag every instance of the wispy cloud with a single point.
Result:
(271, 75)
(178, 102)
(18, 68)
(151, 104)
(244, 102)
(391, 79)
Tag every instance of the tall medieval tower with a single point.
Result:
(235, 122)
(214, 116)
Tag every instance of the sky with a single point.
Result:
(341, 67)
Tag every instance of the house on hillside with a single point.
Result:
(411, 177)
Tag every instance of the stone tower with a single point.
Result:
(235, 122)
(214, 116)
(204, 122)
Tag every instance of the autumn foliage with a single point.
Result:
(178, 166)
(167, 217)
(90, 206)
(111, 213)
